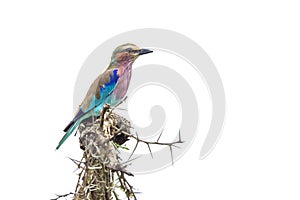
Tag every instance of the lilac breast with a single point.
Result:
(123, 83)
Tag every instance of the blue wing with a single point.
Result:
(98, 93)
(106, 85)
(101, 88)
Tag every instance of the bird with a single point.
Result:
(110, 87)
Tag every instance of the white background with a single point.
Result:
(254, 44)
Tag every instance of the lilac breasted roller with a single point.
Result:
(109, 87)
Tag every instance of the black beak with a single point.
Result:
(144, 51)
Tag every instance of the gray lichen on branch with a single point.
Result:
(102, 174)
(102, 171)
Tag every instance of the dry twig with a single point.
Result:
(102, 175)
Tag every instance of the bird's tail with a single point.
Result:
(68, 133)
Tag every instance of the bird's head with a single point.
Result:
(127, 54)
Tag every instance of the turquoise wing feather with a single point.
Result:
(99, 93)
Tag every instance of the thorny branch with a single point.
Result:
(61, 196)
(102, 175)
(148, 143)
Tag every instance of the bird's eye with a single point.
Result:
(129, 49)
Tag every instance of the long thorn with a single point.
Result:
(160, 135)
(150, 149)
(170, 146)
(137, 142)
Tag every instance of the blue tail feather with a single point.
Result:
(80, 116)
(70, 131)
